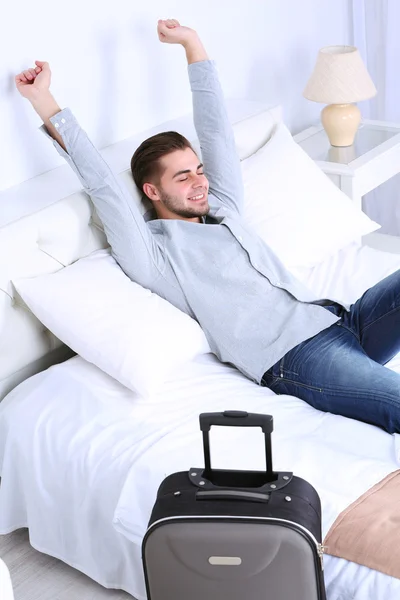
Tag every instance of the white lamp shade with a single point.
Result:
(339, 77)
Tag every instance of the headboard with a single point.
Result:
(69, 229)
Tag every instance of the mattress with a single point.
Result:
(81, 456)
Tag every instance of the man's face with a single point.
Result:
(183, 188)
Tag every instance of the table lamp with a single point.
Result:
(339, 79)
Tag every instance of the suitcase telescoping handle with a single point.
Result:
(236, 418)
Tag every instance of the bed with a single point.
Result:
(82, 456)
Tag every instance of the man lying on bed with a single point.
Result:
(201, 256)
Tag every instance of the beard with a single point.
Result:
(174, 204)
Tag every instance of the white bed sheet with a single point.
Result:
(81, 457)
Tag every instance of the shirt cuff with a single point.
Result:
(62, 121)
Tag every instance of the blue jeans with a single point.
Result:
(340, 370)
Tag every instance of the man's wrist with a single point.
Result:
(41, 97)
(191, 40)
(195, 51)
(44, 104)
(46, 107)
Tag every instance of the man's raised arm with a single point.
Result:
(214, 130)
(133, 245)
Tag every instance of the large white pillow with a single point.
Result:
(135, 336)
(295, 207)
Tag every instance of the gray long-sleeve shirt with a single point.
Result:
(219, 271)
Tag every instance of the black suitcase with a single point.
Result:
(234, 535)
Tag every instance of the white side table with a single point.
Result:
(356, 170)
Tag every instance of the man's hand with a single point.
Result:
(34, 85)
(31, 82)
(172, 32)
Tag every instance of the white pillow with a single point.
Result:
(252, 132)
(130, 333)
(297, 210)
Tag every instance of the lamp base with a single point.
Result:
(341, 122)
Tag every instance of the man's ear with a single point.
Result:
(151, 191)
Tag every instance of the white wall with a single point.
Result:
(110, 68)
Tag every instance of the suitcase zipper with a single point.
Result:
(320, 548)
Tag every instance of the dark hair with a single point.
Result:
(145, 165)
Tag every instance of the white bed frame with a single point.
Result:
(64, 227)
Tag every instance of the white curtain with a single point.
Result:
(376, 33)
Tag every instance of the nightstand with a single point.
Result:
(356, 170)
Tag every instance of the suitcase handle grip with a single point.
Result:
(232, 495)
(236, 418)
